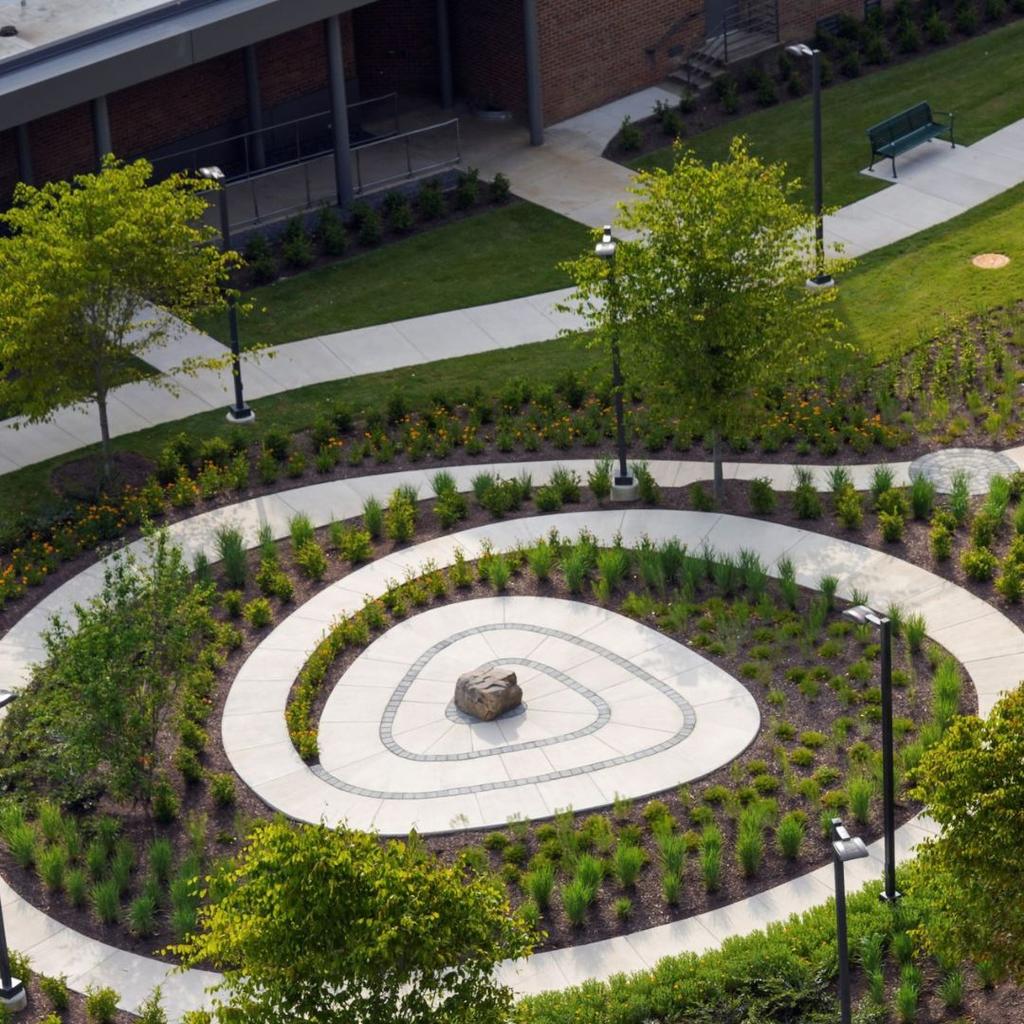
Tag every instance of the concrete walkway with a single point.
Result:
(569, 175)
(989, 646)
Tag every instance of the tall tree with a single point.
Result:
(326, 925)
(112, 677)
(972, 874)
(708, 288)
(93, 274)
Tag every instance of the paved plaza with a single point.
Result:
(612, 708)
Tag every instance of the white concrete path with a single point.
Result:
(989, 646)
(611, 708)
(569, 175)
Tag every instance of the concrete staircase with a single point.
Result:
(747, 29)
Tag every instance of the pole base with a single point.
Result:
(13, 998)
(243, 415)
(625, 488)
(893, 899)
(820, 281)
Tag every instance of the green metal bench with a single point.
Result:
(904, 131)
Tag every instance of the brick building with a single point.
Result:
(150, 77)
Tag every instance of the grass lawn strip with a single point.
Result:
(501, 254)
(972, 79)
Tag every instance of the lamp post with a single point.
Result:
(624, 487)
(864, 615)
(821, 279)
(239, 412)
(844, 848)
(12, 991)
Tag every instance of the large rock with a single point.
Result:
(486, 693)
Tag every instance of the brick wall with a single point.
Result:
(178, 105)
(594, 51)
(62, 144)
(8, 166)
(396, 46)
(488, 53)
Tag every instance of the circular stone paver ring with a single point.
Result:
(613, 708)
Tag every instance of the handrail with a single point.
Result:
(257, 136)
(278, 127)
(248, 193)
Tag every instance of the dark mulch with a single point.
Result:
(82, 479)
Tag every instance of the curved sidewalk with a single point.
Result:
(936, 184)
(989, 646)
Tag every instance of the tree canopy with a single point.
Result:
(326, 925)
(707, 292)
(94, 273)
(972, 875)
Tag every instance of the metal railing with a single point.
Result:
(288, 189)
(406, 156)
(760, 17)
(287, 144)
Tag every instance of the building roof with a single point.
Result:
(69, 51)
(40, 22)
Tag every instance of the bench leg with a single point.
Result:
(893, 159)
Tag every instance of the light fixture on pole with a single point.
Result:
(239, 412)
(844, 848)
(12, 991)
(821, 278)
(866, 616)
(624, 487)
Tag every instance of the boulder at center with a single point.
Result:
(486, 693)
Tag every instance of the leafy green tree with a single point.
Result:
(972, 874)
(326, 925)
(93, 274)
(707, 291)
(90, 719)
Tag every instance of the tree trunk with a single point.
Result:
(101, 404)
(716, 455)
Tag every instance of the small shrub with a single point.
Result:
(762, 496)
(979, 564)
(501, 189)
(106, 901)
(891, 524)
(330, 232)
(630, 136)
(258, 613)
(576, 898)
(467, 191)
(56, 991)
(222, 789)
(627, 863)
(789, 835)
(101, 1005)
(539, 883)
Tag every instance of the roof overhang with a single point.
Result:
(143, 46)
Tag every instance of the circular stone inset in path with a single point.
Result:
(979, 463)
(612, 708)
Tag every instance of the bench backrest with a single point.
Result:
(903, 123)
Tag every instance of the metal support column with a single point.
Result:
(101, 130)
(254, 101)
(444, 52)
(339, 111)
(25, 172)
(534, 99)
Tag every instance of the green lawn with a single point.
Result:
(899, 295)
(27, 491)
(501, 254)
(976, 79)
